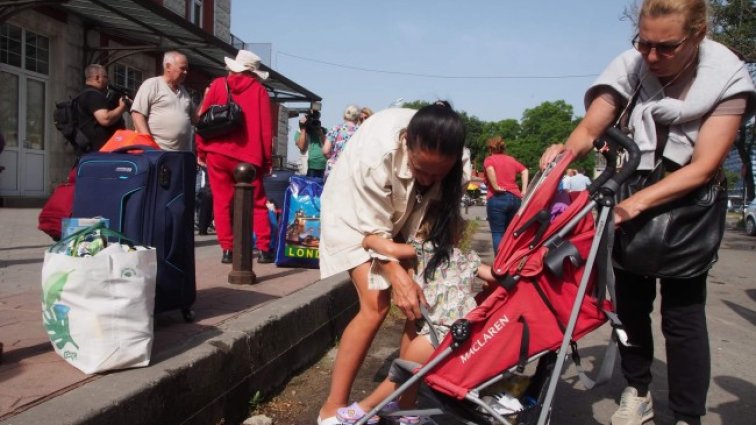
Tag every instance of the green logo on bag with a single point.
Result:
(128, 272)
(55, 316)
(301, 252)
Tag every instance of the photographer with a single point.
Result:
(100, 112)
(310, 141)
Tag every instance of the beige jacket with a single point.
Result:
(370, 191)
(367, 192)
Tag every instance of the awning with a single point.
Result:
(154, 28)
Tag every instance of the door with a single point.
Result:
(23, 123)
(24, 111)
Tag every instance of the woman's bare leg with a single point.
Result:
(355, 340)
(418, 351)
(410, 332)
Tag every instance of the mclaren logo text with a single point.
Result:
(488, 335)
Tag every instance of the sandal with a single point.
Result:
(333, 420)
(391, 406)
(353, 413)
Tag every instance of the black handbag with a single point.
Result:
(220, 120)
(678, 239)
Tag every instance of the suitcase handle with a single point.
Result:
(135, 148)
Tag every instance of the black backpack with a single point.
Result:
(66, 119)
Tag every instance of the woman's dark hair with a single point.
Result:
(314, 135)
(438, 128)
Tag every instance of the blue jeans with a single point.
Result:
(501, 208)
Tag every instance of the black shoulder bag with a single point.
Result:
(220, 120)
(678, 239)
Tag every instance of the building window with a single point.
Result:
(195, 12)
(24, 49)
(10, 44)
(126, 76)
(37, 53)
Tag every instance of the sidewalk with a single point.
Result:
(249, 339)
(37, 386)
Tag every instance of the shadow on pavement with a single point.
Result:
(738, 411)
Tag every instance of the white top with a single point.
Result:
(371, 191)
(577, 183)
(719, 75)
(367, 192)
(168, 113)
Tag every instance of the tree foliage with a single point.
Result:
(526, 139)
(546, 124)
(733, 23)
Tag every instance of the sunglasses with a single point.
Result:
(663, 49)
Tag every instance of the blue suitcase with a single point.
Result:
(148, 197)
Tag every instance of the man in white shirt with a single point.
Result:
(163, 108)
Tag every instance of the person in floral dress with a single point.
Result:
(337, 138)
(449, 285)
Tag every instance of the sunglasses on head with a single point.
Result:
(663, 49)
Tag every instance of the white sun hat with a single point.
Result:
(246, 61)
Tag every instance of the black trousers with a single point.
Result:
(686, 337)
(205, 209)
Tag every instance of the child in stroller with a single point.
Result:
(448, 278)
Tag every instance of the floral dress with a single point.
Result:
(338, 136)
(450, 294)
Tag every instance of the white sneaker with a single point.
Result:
(633, 410)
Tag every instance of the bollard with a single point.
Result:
(241, 267)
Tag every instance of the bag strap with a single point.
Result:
(80, 234)
(624, 116)
(229, 98)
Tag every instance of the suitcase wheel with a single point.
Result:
(188, 314)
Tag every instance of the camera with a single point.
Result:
(116, 92)
(312, 120)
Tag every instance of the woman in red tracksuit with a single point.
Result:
(251, 142)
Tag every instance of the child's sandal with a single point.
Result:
(353, 413)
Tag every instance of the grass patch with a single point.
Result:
(471, 226)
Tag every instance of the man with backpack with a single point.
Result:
(96, 120)
(87, 122)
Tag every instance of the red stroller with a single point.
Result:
(550, 296)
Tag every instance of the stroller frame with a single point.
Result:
(602, 195)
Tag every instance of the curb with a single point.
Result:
(213, 376)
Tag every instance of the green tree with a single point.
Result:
(733, 23)
(508, 129)
(547, 123)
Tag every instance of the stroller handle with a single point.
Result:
(634, 155)
(608, 182)
(610, 156)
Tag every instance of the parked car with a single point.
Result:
(750, 218)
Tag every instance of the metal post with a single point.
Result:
(241, 270)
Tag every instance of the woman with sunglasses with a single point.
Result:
(397, 162)
(684, 97)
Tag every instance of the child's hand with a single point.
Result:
(485, 273)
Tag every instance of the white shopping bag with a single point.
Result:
(98, 310)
